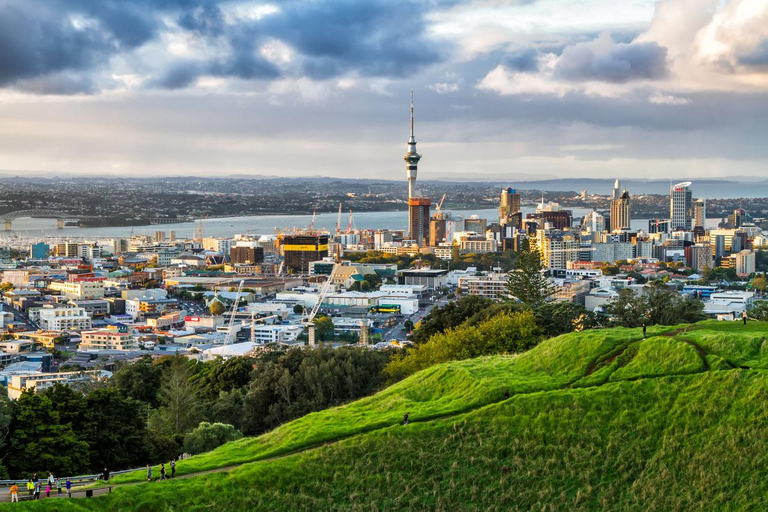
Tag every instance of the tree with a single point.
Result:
(140, 380)
(507, 332)
(324, 327)
(452, 314)
(526, 282)
(408, 325)
(40, 442)
(293, 383)
(298, 309)
(760, 311)
(759, 284)
(557, 318)
(6, 287)
(208, 436)
(216, 308)
(659, 305)
(115, 430)
(180, 397)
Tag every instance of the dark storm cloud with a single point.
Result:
(525, 59)
(377, 37)
(205, 20)
(757, 57)
(605, 60)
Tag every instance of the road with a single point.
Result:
(398, 331)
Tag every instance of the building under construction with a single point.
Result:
(299, 250)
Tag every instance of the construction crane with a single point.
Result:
(351, 220)
(310, 319)
(440, 204)
(338, 222)
(312, 223)
(233, 313)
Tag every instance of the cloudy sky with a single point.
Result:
(515, 89)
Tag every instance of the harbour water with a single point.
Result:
(267, 224)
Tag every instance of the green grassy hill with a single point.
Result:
(596, 420)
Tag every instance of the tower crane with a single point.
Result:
(233, 313)
(312, 223)
(440, 204)
(310, 319)
(338, 222)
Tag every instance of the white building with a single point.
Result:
(734, 302)
(489, 285)
(63, 317)
(107, 340)
(17, 384)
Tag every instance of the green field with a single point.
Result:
(597, 420)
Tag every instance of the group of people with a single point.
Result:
(35, 487)
(163, 472)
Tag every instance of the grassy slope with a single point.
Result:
(684, 439)
(442, 390)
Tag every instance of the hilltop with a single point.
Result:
(600, 419)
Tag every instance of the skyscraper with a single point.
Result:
(681, 207)
(620, 208)
(418, 207)
(700, 213)
(509, 204)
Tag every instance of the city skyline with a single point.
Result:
(514, 90)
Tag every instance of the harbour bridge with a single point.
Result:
(61, 217)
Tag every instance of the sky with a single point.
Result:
(511, 90)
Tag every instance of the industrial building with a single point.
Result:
(301, 250)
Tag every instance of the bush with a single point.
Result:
(208, 436)
(503, 334)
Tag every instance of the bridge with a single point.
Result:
(60, 216)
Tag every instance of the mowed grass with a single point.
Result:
(683, 442)
(442, 390)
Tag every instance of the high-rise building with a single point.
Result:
(172, 236)
(246, 255)
(509, 204)
(557, 248)
(418, 220)
(301, 250)
(620, 209)
(737, 218)
(418, 207)
(700, 213)
(159, 236)
(681, 207)
(438, 229)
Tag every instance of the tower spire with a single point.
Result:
(412, 137)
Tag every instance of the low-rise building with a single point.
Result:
(62, 317)
(40, 381)
(492, 285)
(79, 290)
(107, 339)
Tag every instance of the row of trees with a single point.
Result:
(153, 410)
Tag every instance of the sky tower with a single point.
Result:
(418, 207)
(411, 159)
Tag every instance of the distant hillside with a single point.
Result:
(598, 420)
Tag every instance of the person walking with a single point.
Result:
(149, 473)
(30, 487)
(405, 418)
(34, 478)
(162, 471)
(47, 490)
(645, 328)
(58, 486)
(69, 488)
(37, 490)
(51, 479)
(173, 468)
(506, 395)
(744, 317)
(105, 474)
(14, 493)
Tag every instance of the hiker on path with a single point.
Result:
(149, 473)
(744, 317)
(58, 486)
(644, 329)
(173, 468)
(30, 487)
(51, 479)
(105, 474)
(37, 490)
(405, 418)
(69, 488)
(14, 493)
(162, 471)
(506, 395)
